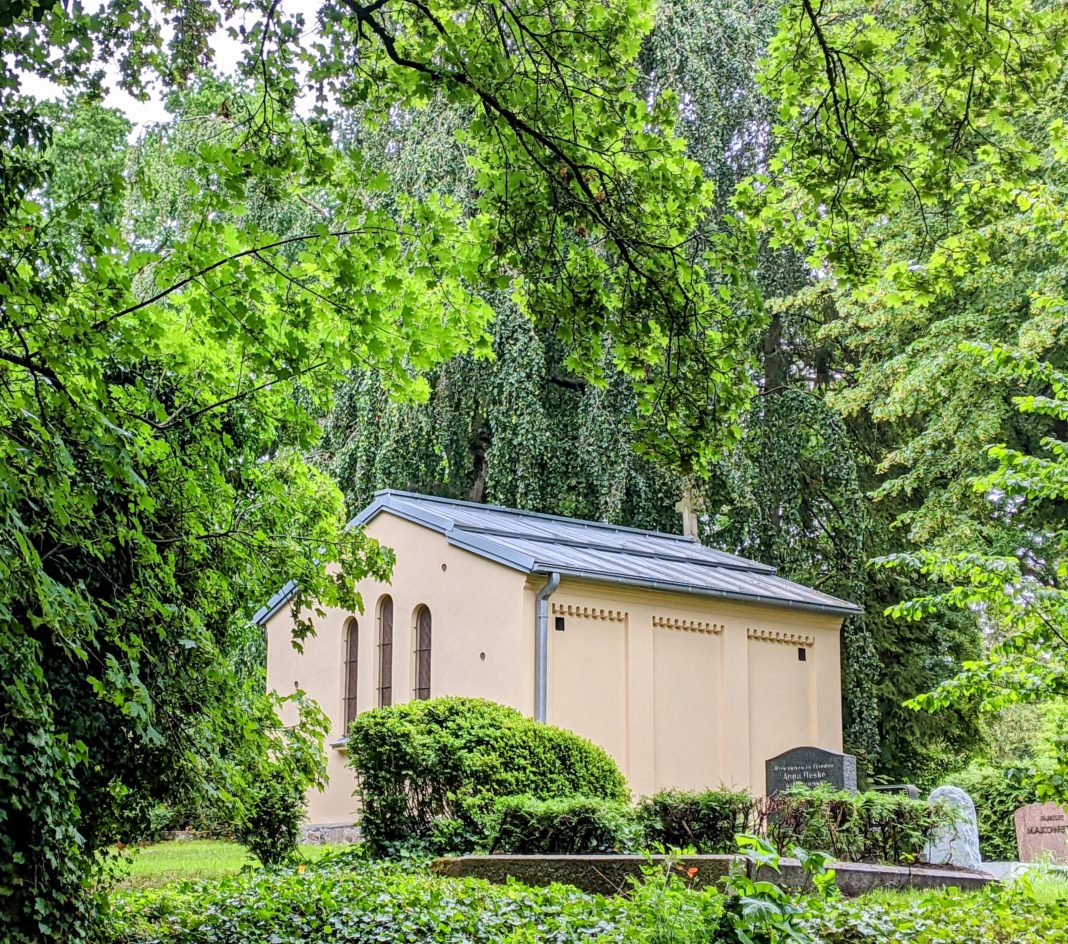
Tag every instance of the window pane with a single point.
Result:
(422, 654)
(385, 652)
(352, 649)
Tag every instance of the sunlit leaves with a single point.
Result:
(1021, 598)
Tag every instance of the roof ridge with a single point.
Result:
(485, 506)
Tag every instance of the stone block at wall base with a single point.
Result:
(329, 833)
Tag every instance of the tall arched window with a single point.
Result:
(422, 653)
(385, 651)
(352, 651)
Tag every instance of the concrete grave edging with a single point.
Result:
(611, 874)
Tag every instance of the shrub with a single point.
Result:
(708, 821)
(997, 796)
(567, 826)
(270, 810)
(429, 772)
(852, 827)
(270, 829)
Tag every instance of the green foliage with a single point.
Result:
(353, 902)
(669, 312)
(575, 825)
(1017, 914)
(706, 821)
(269, 821)
(429, 772)
(852, 827)
(271, 826)
(172, 327)
(921, 166)
(859, 138)
(1020, 595)
(997, 793)
(760, 912)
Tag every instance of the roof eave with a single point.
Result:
(841, 608)
(273, 605)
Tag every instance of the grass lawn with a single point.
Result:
(164, 862)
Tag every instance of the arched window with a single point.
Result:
(422, 652)
(352, 651)
(385, 651)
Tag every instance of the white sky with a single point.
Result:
(227, 52)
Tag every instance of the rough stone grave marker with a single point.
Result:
(1042, 832)
(810, 766)
(956, 844)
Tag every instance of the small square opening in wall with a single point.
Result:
(559, 624)
(802, 654)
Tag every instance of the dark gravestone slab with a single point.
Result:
(811, 766)
(908, 789)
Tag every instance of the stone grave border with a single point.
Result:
(611, 874)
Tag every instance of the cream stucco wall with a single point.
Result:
(690, 691)
(683, 690)
(481, 643)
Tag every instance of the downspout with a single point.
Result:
(541, 648)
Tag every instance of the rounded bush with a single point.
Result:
(428, 773)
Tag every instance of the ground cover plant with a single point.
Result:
(352, 901)
(349, 900)
(1022, 913)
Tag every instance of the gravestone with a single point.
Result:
(1042, 832)
(906, 789)
(957, 843)
(810, 766)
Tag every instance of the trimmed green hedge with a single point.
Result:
(707, 821)
(852, 827)
(568, 826)
(429, 772)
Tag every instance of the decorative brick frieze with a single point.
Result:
(776, 635)
(687, 625)
(589, 612)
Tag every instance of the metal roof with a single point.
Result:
(532, 543)
(535, 543)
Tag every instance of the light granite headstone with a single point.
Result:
(956, 844)
(1042, 832)
(810, 766)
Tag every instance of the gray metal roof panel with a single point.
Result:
(534, 543)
